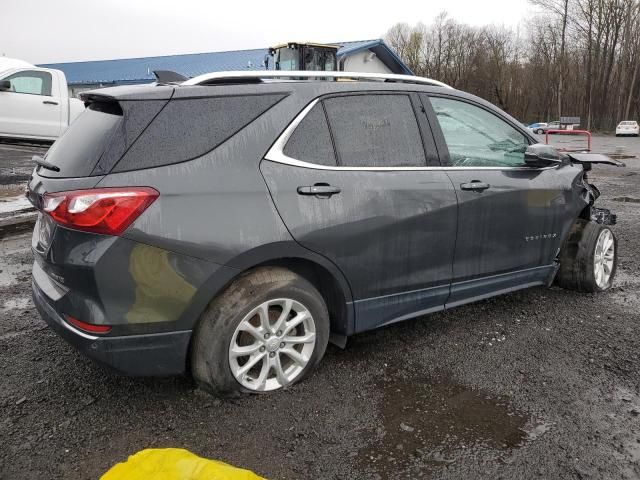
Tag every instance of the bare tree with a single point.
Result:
(577, 57)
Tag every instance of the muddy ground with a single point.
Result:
(542, 383)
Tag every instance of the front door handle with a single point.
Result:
(319, 190)
(475, 186)
(50, 102)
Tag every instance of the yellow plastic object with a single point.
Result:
(174, 464)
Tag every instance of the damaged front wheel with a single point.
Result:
(589, 258)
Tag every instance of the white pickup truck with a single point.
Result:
(34, 102)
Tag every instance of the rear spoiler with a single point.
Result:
(89, 97)
(588, 159)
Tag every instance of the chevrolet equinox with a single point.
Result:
(233, 224)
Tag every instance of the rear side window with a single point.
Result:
(311, 140)
(375, 131)
(188, 128)
(82, 145)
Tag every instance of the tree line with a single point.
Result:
(575, 58)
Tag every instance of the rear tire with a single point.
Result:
(589, 258)
(249, 322)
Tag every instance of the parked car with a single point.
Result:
(535, 126)
(628, 127)
(541, 129)
(234, 224)
(34, 102)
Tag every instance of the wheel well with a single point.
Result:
(326, 284)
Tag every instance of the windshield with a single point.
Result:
(287, 59)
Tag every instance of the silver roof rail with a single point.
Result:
(257, 75)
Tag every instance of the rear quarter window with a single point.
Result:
(188, 128)
(311, 140)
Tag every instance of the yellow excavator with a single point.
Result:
(303, 56)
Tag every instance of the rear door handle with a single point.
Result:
(475, 186)
(319, 190)
(50, 102)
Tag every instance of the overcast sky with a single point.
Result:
(45, 31)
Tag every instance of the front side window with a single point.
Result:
(375, 130)
(31, 82)
(476, 137)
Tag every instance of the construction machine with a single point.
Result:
(303, 56)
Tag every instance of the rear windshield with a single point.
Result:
(628, 123)
(77, 152)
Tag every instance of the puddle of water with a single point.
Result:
(626, 199)
(429, 423)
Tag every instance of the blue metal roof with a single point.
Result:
(140, 70)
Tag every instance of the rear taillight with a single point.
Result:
(102, 210)
(87, 327)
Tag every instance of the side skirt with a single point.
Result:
(376, 312)
(481, 288)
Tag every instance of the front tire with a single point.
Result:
(539, 131)
(589, 258)
(265, 332)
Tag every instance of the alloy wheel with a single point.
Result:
(272, 345)
(603, 259)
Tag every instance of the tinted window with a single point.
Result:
(31, 82)
(375, 131)
(478, 138)
(311, 140)
(82, 145)
(189, 128)
(137, 115)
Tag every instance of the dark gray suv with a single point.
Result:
(236, 223)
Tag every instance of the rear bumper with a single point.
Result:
(154, 354)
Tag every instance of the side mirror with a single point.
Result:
(540, 156)
(5, 85)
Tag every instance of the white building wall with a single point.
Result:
(366, 61)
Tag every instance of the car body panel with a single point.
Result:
(405, 220)
(107, 280)
(156, 354)
(510, 233)
(518, 223)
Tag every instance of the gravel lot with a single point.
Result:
(541, 383)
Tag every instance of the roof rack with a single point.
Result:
(256, 76)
